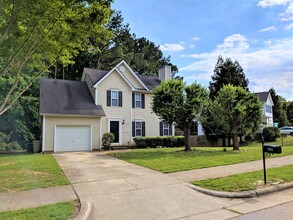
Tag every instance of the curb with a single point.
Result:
(246, 194)
(85, 210)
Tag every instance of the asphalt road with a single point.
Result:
(279, 212)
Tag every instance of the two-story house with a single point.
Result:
(267, 112)
(75, 114)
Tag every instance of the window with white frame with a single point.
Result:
(114, 98)
(137, 100)
(166, 129)
(138, 128)
(268, 108)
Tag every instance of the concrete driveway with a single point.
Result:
(120, 190)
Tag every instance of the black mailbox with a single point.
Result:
(274, 149)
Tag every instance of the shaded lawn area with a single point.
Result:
(175, 159)
(60, 211)
(248, 181)
(29, 171)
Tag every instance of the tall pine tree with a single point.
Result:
(227, 72)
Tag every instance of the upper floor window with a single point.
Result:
(138, 100)
(268, 108)
(114, 98)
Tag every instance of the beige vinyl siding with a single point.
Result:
(132, 79)
(90, 87)
(52, 121)
(152, 122)
(115, 81)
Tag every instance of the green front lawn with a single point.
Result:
(29, 171)
(60, 211)
(175, 159)
(248, 181)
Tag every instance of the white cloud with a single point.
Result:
(195, 38)
(265, 67)
(172, 47)
(268, 3)
(271, 28)
(289, 27)
(191, 45)
(287, 15)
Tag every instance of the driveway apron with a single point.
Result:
(120, 190)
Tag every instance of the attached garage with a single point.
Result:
(72, 138)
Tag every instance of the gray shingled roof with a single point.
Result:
(263, 96)
(95, 75)
(150, 81)
(67, 97)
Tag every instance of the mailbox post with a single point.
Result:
(268, 150)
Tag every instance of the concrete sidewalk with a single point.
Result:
(36, 197)
(222, 171)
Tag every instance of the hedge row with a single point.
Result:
(168, 141)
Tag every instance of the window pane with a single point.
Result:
(114, 102)
(114, 94)
(138, 124)
(166, 132)
(166, 126)
(137, 104)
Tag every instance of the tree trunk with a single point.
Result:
(235, 142)
(187, 139)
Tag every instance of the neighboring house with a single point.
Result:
(75, 114)
(267, 112)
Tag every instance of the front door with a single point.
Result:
(114, 129)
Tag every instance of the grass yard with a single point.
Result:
(175, 159)
(29, 171)
(248, 181)
(60, 211)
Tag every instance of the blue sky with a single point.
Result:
(258, 33)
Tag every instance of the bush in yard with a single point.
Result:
(169, 141)
(270, 133)
(107, 140)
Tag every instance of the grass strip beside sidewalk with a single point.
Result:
(248, 181)
(60, 211)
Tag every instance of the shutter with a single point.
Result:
(133, 129)
(143, 129)
(170, 130)
(161, 129)
(108, 97)
(133, 100)
(142, 101)
(120, 98)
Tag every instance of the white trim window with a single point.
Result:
(114, 97)
(166, 129)
(138, 128)
(137, 100)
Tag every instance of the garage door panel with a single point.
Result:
(72, 138)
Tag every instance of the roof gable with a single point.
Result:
(264, 96)
(116, 68)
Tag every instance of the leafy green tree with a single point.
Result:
(22, 122)
(140, 53)
(227, 72)
(33, 36)
(279, 109)
(178, 104)
(235, 111)
(289, 112)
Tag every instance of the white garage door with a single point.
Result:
(72, 138)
